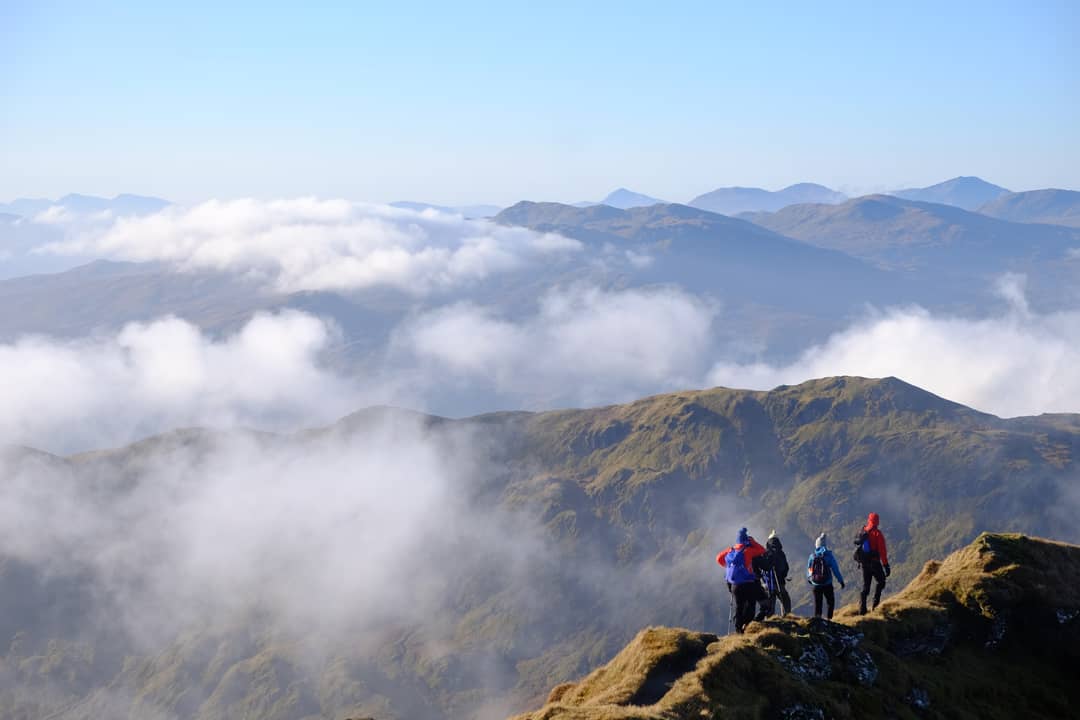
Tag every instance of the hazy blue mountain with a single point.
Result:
(622, 199)
(26, 207)
(19, 237)
(775, 288)
(1051, 206)
(905, 234)
(734, 200)
(123, 204)
(968, 193)
(469, 211)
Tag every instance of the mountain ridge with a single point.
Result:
(735, 200)
(967, 192)
(1052, 206)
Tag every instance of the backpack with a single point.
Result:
(820, 574)
(736, 566)
(863, 549)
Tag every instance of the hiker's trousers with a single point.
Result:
(872, 571)
(826, 592)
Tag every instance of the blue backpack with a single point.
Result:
(736, 567)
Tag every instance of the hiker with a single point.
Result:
(742, 582)
(772, 567)
(821, 568)
(871, 554)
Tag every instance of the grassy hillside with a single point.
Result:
(1004, 607)
(611, 519)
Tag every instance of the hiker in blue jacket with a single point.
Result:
(821, 567)
(738, 561)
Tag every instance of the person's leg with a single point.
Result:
(744, 605)
(830, 599)
(785, 599)
(819, 591)
(879, 577)
(867, 577)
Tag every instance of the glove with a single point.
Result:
(841, 584)
(888, 570)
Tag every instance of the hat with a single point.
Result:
(772, 533)
(822, 541)
(744, 537)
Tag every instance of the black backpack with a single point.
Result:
(820, 574)
(862, 548)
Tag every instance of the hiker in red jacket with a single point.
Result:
(743, 583)
(874, 558)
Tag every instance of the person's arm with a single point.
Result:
(809, 564)
(722, 557)
(882, 552)
(836, 569)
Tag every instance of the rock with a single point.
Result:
(802, 712)
(813, 663)
(933, 643)
(862, 667)
(998, 629)
(918, 699)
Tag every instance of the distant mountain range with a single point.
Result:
(904, 234)
(123, 204)
(758, 273)
(734, 200)
(1051, 206)
(968, 193)
(632, 502)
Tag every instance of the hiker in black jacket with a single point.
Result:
(772, 568)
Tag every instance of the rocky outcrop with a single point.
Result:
(1005, 606)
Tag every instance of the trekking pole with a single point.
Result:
(731, 608)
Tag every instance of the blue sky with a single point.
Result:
(494, 102)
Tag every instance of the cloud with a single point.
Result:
(148, 378)
(1015, 363)
(311, 244)
(582, 345)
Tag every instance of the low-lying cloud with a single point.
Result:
(311, 244)
(149, 378)
(1015, 363)
(583, 344)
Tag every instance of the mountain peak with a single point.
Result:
(966, 191)
(734, 200)
(624, 199)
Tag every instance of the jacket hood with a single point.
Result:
(743, 537)
(821, 550)
(872, 521)
(774, 543)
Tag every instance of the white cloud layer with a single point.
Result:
(311, 244)
(149, 378)
(582, 345)
(1016, 363)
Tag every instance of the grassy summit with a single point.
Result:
(991, 632)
